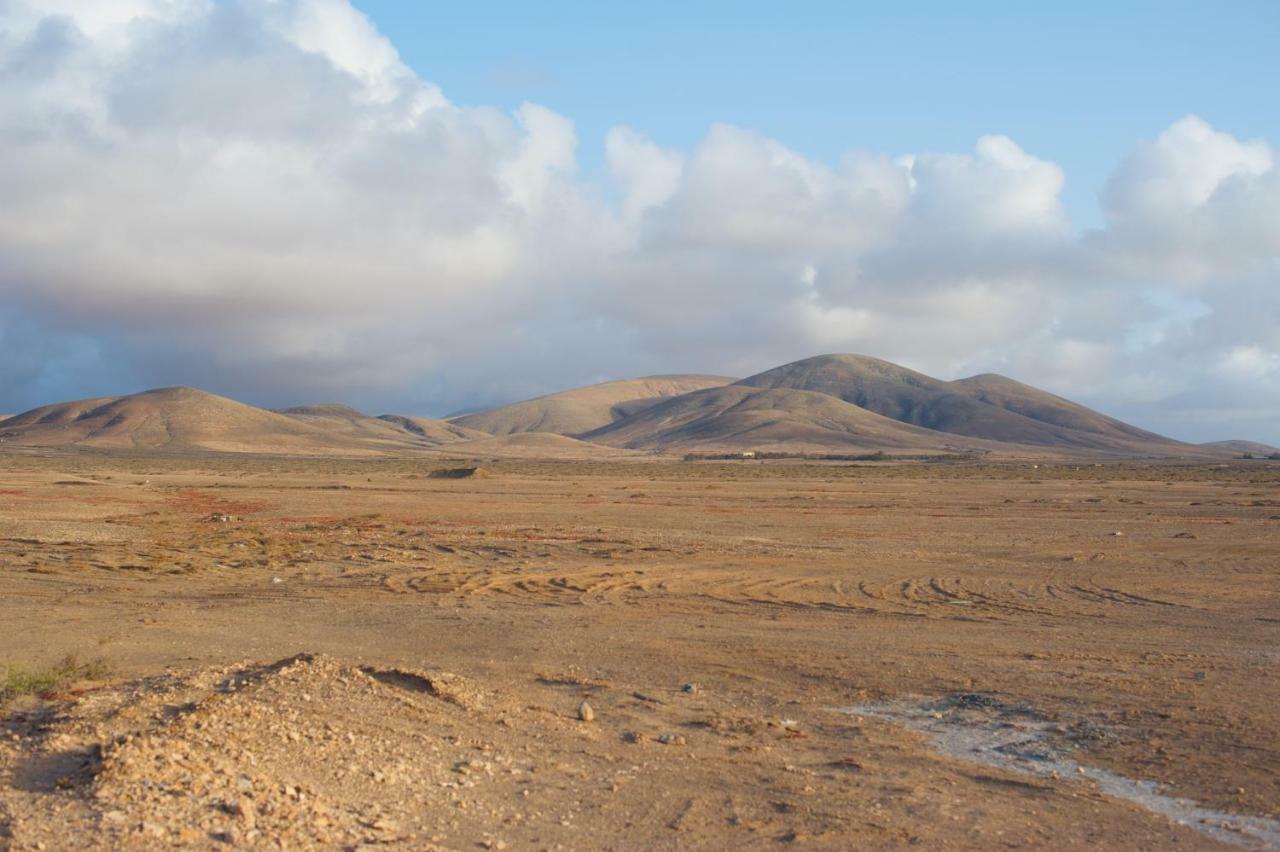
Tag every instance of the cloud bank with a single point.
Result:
(260, 198)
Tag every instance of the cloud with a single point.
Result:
(259, 197)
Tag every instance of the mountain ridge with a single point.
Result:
(824, 403)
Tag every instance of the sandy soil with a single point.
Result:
(332, 654)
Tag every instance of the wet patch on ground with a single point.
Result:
(1014, 736)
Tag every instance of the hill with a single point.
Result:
(738, 417)
(1238, 447)
(433, 431)
(580, 410)
(389, 432)
(829, 403)
(172, 419)
(531, 445)
(987, 407)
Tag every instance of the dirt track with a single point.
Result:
(1135, 609)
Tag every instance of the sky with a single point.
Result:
(421, 209)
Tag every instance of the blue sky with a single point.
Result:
(1075, 83)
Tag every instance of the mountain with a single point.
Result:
(828, 403)
(1242, 447)
(170, 419)
(1044, 407)
(433, 431)
(739, 417)
(185, 419)
(389, 432)
(531, 445)
(580, 410)
(987, 407)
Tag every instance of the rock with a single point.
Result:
(690, 688)
(585, 713)
(244, 809)
(671, 739)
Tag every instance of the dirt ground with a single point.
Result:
(333, 654)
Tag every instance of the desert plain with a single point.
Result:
(320, 653)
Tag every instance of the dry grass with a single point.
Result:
(17, 679)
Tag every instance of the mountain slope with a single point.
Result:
(531, 445)
(1045, 407)
(390, 432)
(737, 417)
(580, 410)
(1242, 447)
(987, 407)
(172, 419)
(433, 431)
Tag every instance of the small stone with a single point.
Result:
(671, 739)
(585, 713)
(247, 814)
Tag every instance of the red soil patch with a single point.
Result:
(197, 502)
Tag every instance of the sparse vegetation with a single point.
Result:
(16, 680)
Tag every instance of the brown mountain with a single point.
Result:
(434, 431)
(988, 407)
(530, 445)
(830, 403)
(390, 432)
(580, 410)
(739, 417)
(1241, 447)
(171, 419)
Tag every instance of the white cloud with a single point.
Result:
(646, 174)
(259, 196)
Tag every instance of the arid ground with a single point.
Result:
(293, 653)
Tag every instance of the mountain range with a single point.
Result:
(826, 404)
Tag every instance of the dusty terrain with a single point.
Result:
(319, 653)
